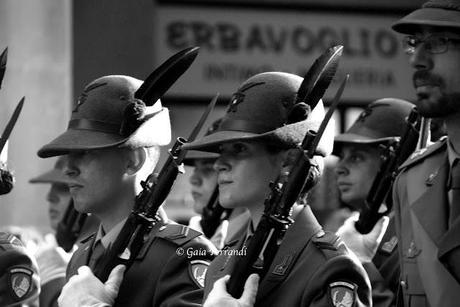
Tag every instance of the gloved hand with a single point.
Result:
(219, 297)
(85, 289)
(52, 261)
(363, 246)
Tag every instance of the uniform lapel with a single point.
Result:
(449, 250)
(81, 255)
(295, 240)
(431, 207)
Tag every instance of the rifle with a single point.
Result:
(285, 191)
(213, 215)
(394, 155)
(69, 227)
(142, 218)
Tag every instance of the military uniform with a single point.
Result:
(383, 271)
(311, 268)
(169, 270)
(421, 204)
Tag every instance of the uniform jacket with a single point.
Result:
(427, 247)
(169, 270)
(311, 268)
(383, 271)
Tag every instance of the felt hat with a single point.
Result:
(107, 115)
(261, 110)
(435, 13)
(383, 120)
(55, 175)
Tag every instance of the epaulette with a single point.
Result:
(329, 243)
(419, 155)
(179, 234)
(86, 239)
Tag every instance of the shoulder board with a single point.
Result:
(329, 243)
(86, 239)
(421, 154)
(179, 234)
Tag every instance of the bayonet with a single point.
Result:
(3, 58)
(9, 127)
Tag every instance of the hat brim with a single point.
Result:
(52, 176)
(155, 131)
(79, 140)
(434, 17)
(194, 155)
(353, 138)
(288, 136)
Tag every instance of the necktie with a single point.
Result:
(455, 192)
(98, 251)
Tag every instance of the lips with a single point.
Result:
(223, 181)
(343, 185)
(73, 187)
(196, 195)
(424, 78)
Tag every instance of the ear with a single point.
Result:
(135, 161)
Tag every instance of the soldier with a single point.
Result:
(19, 280)
(253, 141)
(360, 157)
(112, 143)
(425, 192)
(203, 181)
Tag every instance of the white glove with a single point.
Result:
(51, 259)
(363, 246)
(86, 290)
(219, 297)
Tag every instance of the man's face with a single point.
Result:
(58, 198)
(355, 172)
(437, 76)
(99, 179)
(203, 181)
(244, 173)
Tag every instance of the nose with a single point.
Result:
(341, 169)
(70, 169)
(221, 164)
(421, 59)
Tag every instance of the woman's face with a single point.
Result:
(356, 171)
(203, 181)
(245, 170)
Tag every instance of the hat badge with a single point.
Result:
(82, 99)
(238, 97)
(364, 114)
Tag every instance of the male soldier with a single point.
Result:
(360, 158)
(112, 143)
(257, 134)
(426, 190)
(19, 280)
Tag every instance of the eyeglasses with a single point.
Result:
(432, 44)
